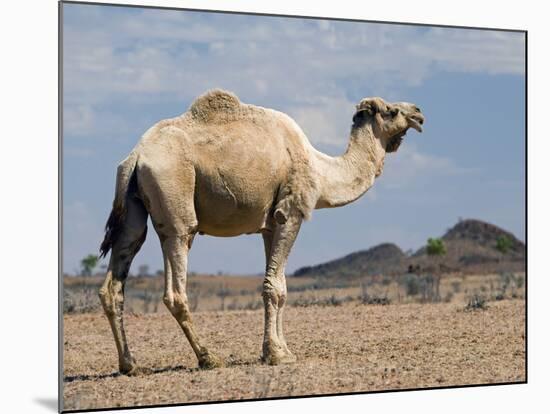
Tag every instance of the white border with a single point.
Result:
(28, 167)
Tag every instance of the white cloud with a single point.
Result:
(85, 121)
(182, 54)
(473, 50)
(78, 120)
(409, 164)
(326, 120)
(297, 66)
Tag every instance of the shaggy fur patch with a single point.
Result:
(301, 191)
(215, 104)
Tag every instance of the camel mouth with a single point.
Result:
(416, 122)
(395, 141)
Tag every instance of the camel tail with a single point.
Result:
(126, 183)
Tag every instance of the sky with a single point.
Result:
(124, 69)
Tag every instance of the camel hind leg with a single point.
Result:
(128, 242)
(175, 222)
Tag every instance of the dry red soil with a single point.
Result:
(349, 348)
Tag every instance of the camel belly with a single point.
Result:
(227, 206)
(237, 178)
(230, 223)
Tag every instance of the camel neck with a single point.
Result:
(346, 178)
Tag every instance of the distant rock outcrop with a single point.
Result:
(378, 259)
(472, 247)
(482, 233)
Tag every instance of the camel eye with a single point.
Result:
(394, 111)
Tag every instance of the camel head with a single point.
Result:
(389, 121)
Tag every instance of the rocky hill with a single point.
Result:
(472, 247)
(378, 259)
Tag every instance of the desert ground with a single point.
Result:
(344, 342)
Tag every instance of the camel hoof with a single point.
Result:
(210, 361)
(138, 371)
(128, 367)
(279, 358)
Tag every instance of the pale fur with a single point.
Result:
(226, 168)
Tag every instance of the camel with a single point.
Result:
(226, 168)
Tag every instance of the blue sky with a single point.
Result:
(126, 68)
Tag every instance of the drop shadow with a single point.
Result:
(140, 373)
(242, 363)
(49, 403)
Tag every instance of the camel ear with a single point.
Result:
(369, 107)
(362, 110)
(365, 106)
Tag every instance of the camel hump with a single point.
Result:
(215, 104)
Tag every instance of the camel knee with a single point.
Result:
(177, 305)
(274, 291)
(110, 296)
(107, 301)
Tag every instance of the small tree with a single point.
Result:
(504, 244)
(436, 249)
(88, 264)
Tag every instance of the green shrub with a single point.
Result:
(504, 244)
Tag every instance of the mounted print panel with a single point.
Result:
(264, 206)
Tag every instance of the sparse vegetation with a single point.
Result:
(83, 300)
(423, 287)
(211, 293)
(411, 282)
(144, 294)
(436, 247)
(504, 244)
(331, 300)
(476, 302)
(375, 300)
(505, 281)
(223, 292)
(88, 264)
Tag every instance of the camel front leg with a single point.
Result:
(175, 251)
(268, 242)
(275, 350)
